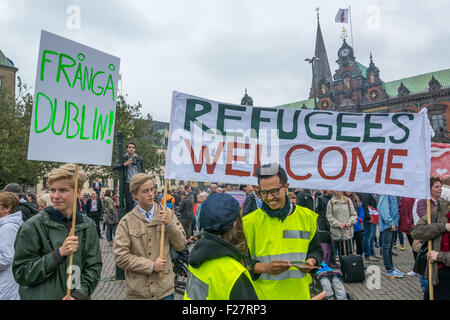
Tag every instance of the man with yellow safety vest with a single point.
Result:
(218, 259)
(279, 235)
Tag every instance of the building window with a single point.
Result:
(1, 82)
(44, 181)
(438, 122)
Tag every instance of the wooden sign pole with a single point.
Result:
(72, 231)
(430, 247)
(163, 226)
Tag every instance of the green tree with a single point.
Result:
(15, 119)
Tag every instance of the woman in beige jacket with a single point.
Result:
(341, 215)
(137, 244)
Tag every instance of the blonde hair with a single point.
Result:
(67, 171)
(137, 181)
(44, 201)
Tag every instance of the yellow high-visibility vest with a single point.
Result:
(269, 239)
(214, 279)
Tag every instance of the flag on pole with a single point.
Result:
(342, 16)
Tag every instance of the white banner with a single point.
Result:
(386, 153)
(74, 103)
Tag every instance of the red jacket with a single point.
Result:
(406, 221)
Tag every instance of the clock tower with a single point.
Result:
(348, 84)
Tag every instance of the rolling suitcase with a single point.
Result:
(352, 266)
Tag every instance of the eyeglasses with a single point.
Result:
(274, 192)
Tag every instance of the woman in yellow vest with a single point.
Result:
(216, 265)
(279, 235)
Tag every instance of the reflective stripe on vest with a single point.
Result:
(269, 239)
(196, 289)
(295, 234)
(214, 279)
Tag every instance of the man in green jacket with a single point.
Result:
(43, 245)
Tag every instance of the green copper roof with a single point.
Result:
(362, 67)
(4, 61)
(418, 83)
(299, 104)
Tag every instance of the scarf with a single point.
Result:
(445, 243)
(281, 213)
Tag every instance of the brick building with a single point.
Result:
(355, 87)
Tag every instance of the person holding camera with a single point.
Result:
(130, 164)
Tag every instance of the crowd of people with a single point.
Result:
(266, 247)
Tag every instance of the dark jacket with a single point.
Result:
(210, 247)
(322, 221)
(28, 210)
(119, 165)
(305, 199)
(250, 204)
(38, 269)
(192, 196)
(186, 209)
(367, 200)
(99, 206)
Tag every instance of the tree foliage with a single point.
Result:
(15, 119)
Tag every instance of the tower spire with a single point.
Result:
(322, 70)
(246, 99)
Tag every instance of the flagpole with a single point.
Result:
(351, 28)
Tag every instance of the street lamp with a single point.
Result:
(314, 81)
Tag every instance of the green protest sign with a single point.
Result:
(74, 103)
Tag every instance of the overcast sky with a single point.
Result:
(216, 48)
